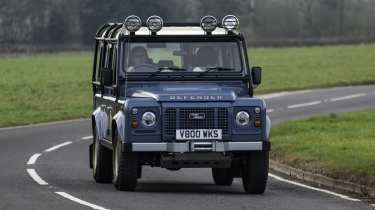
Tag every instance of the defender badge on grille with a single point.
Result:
(197, 116)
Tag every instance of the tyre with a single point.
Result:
(125, 168)
(255, 172)
(101, 162)
(222, 176)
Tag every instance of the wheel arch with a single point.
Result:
(118, 126)
(99, 120)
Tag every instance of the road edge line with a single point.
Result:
(320, 180)
(34, 175)
(79, 201)
(58, 146)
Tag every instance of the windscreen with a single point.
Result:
(161, 57)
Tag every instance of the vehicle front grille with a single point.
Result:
(179, 118)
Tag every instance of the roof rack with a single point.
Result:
(111, 30)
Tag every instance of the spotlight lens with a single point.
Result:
(230, 22)
(132, 23)
(154, 23)
(208, 23)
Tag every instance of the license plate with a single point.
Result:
(196, 134)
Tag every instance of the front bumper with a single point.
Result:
(198, 146)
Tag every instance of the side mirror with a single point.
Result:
(107, 77)
(256, 73)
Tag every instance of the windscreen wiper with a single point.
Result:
(216, 68)
(160, 69)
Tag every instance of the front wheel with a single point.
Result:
(125, 168)
(222, 176)
(255, 172)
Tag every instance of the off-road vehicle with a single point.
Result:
(177, 95)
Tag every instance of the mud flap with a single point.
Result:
(91, 147)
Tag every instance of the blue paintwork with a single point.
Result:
(154, 96)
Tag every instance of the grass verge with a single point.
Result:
(314, 67)
(336, 145)
(48, 87)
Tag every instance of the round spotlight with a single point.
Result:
(230, 22)
(208, 23)
(132, 23)
(154, 23)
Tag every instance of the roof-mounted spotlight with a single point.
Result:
(208, 23)
(230, 23)
(154, 23)
(132, 23)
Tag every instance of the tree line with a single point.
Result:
(264, 22)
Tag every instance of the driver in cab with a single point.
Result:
(138, 59)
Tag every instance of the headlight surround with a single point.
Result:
(242, 118)
(148, 119)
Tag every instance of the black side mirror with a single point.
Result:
(107, 77)
(256, 73)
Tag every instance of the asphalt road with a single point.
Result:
(46, 167)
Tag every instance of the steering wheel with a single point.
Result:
(145, 68)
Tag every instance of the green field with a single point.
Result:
(300, 68)
(43, 87)
(337, 145)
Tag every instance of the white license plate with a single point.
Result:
(196, 134)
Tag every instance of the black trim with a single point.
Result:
(187, 76)
(126, 147)
(266, 145)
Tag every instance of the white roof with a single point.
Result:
(177, 30)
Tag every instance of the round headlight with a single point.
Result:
(208, 23)
(148, 119)
(154, 23)
(242, 118)
(132, 23)
(230, 22)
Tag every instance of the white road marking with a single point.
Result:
(304, 104)
(345, 197)
(82, 202)
(33, 158)
(44, 124)
(86, 137)
(36, 177)
(277, 95)
(347, 97)
(270, 110)
(58, 146)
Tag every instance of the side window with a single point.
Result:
(108, 56)
(114, 63)
(99, 55)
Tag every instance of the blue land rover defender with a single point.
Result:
(177, 95)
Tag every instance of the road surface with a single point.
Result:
(46, 167)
